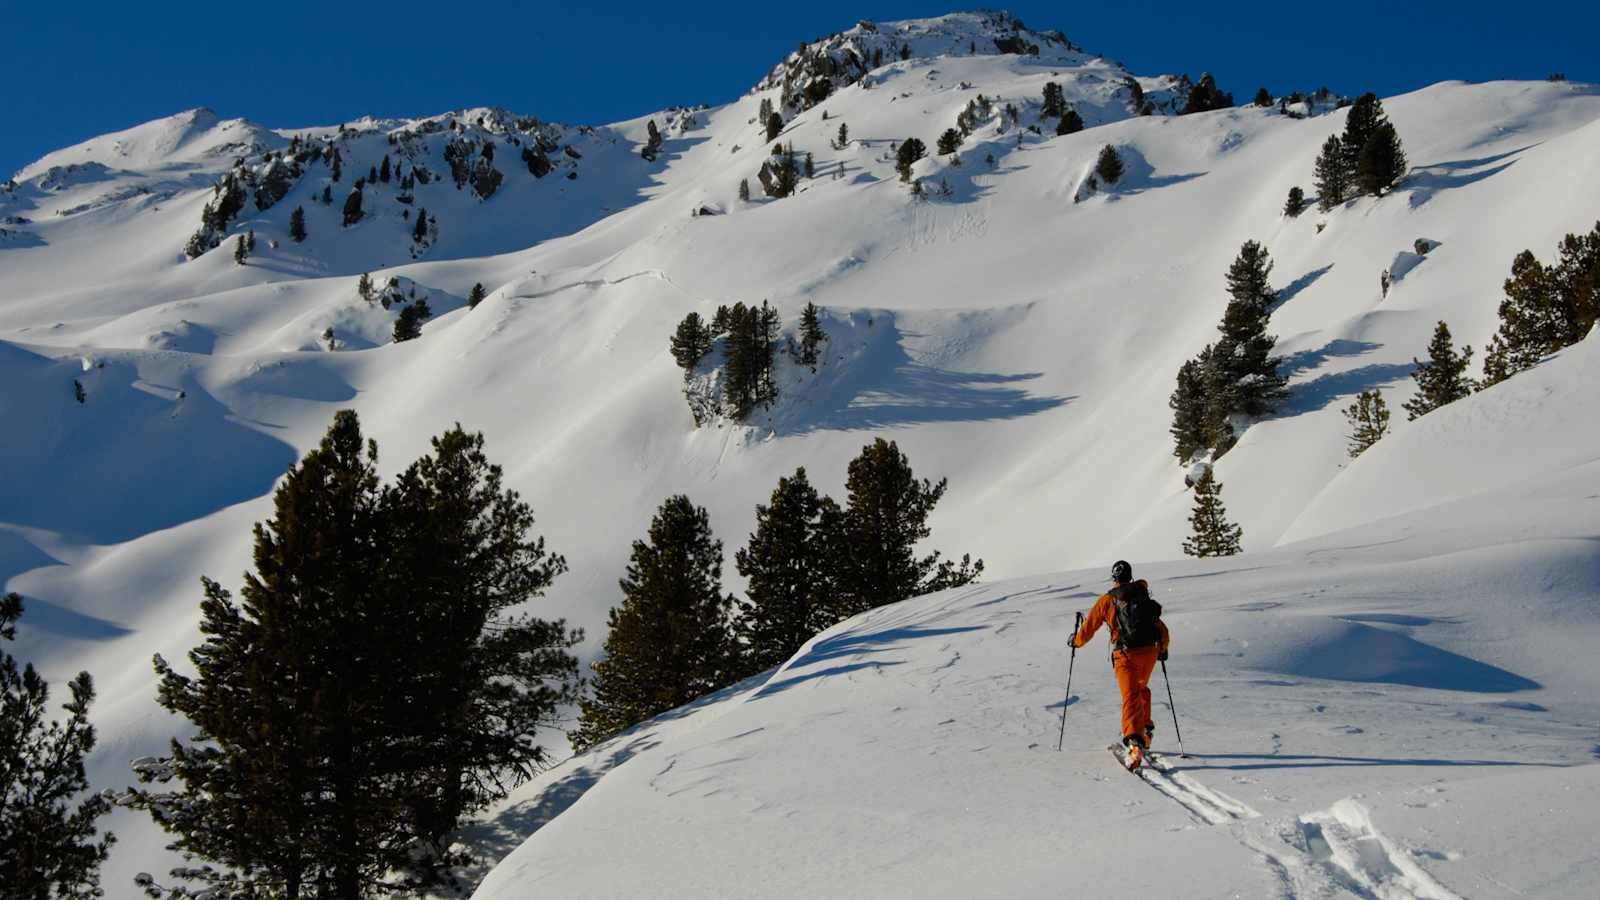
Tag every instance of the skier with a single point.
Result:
(1139, 639)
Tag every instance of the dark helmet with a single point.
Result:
(1121, 572)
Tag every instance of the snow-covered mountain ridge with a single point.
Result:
(1007, 337)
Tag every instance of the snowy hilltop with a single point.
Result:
(1077, 292)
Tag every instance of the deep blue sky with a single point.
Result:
(77, 69)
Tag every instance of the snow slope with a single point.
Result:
(1007, 337)
(1401, 710)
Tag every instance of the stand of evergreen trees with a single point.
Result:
(369, 688)
(810, 563)
(749, 335)
(1368, 158)
(48, 845)
(1238, 375)
(1545, 308)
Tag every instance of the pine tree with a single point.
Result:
(774, 126)
(1382, 161)
(78, 392)
(338, 166)
(384, 172)
(744, 189)
(787, 569)
(1546, 308)
(1360, 124)
(1296, 204)
(1331, 177)
(484, 681)
(368, 690)
(364, 287)
(297, 224)
(419, 233)
(250, 241)
(1071, 123)
(909, 152)
(1055, 102)
(1190, 427)
(1369, 421)
(810, 167)
(476, 295)
(1263, 97)
(1442, 379)
(873, 540)
(47, 833)
(352, 208)
(844, 136)
(1109, 166)
(1213, 534)
(327, 195)
(811, 335)
(669, 641)
(1206, 96)
(408, 325)
(240, 251)
(949, 142)
(1243, 362)
(691, 342)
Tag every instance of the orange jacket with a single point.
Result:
(1104, 612)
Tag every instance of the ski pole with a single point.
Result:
(1170, 705)
(1076, 624)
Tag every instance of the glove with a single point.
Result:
(1073, 642)
(1162, 656)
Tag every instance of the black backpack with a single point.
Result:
(1136, 616)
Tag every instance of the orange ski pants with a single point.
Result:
(1134, 667)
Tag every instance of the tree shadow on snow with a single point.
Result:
(885, 387)
(853, 645)
(494, 839)
(1425, 183)
(1300, 284)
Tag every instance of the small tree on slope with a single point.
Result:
(47, 841)
(1331, 178)
(811, 336)
(297, 224)
(787, 566)
(875, 537)
(1246, 369)
(1369, 421)
(1442, 379)
(668, 642)
(691, 342)
(1109, 166)
(1296, 204)
(1071, 123)
(1382, 161)
(1213, 534)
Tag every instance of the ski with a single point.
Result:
(1121, 757)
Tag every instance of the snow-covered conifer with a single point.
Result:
(1212, 533)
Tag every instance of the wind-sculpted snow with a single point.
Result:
(1017, 342)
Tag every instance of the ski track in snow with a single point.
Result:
(1337, 848)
